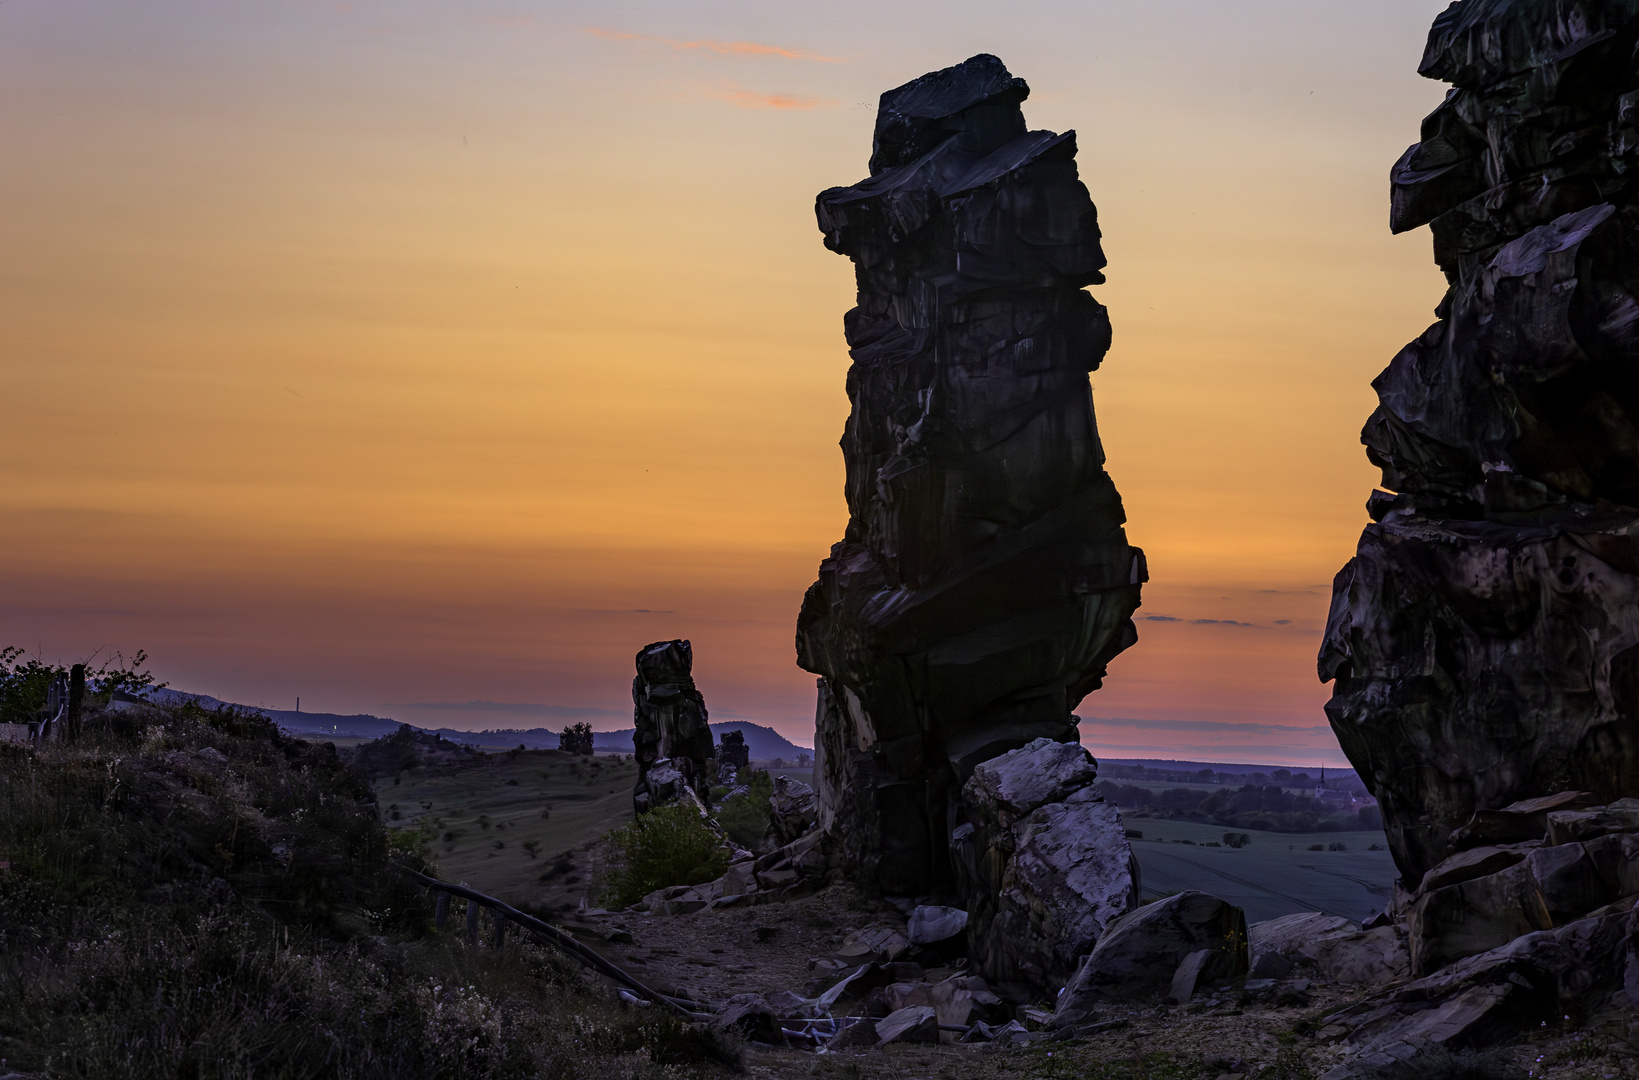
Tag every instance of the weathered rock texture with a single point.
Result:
(672, 739)
(984, 581)
(1045, 861)
(1140, 957)
(1507, 936)
(1485, 638)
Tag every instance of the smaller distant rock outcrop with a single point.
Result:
(793, 810)
(673, 741)
(732, 753)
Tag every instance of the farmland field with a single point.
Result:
(1276, 874)
(524, 825)
(520, 825)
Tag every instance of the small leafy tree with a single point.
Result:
(24, 683)
(576, 739)
(670, 845)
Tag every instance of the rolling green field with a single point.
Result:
(521, 825)
(1276, 874)
(525, 825)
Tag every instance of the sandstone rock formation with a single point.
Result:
(672, 739)
(1045, 862)
(732, 752)
(984, 581)
(1485, 638)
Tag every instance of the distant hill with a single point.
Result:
(763, 742)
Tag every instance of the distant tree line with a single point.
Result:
(1268, 808)
(1337, 780)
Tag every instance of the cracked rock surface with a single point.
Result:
(1484, 641)
(984, 580)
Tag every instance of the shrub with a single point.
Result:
(670, 845)
(745, 817)
(1236, 839)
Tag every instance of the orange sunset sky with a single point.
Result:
(402, 355)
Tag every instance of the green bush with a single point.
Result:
(670, 845)
(745, 817)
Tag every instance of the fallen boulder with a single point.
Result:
(1140, 953)
(753, 1017)
(1327, 948)
(1051, 867)
(1481, 1000)
(930, 925)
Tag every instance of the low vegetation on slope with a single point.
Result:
(191, 894)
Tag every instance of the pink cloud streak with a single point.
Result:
(724, 48)
(750, 99)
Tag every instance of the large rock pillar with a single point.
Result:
(1484, 641)
(984, 581)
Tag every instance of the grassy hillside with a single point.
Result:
(523, 824)
(191, 894)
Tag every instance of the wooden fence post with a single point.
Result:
(473, 908)
(441, 909)
(500, 931)
(76, 699)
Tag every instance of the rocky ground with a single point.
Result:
(1269, 1030)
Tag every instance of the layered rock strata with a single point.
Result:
(984, 581)
(1529, 922)
(1484, 641)
(672, 736)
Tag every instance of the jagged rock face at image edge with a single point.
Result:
(984, 581)
(1485, 638)
(673, 739)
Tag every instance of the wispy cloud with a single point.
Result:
(751, 99)
(1199, 622)
(722, 48)
(1224, 726)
